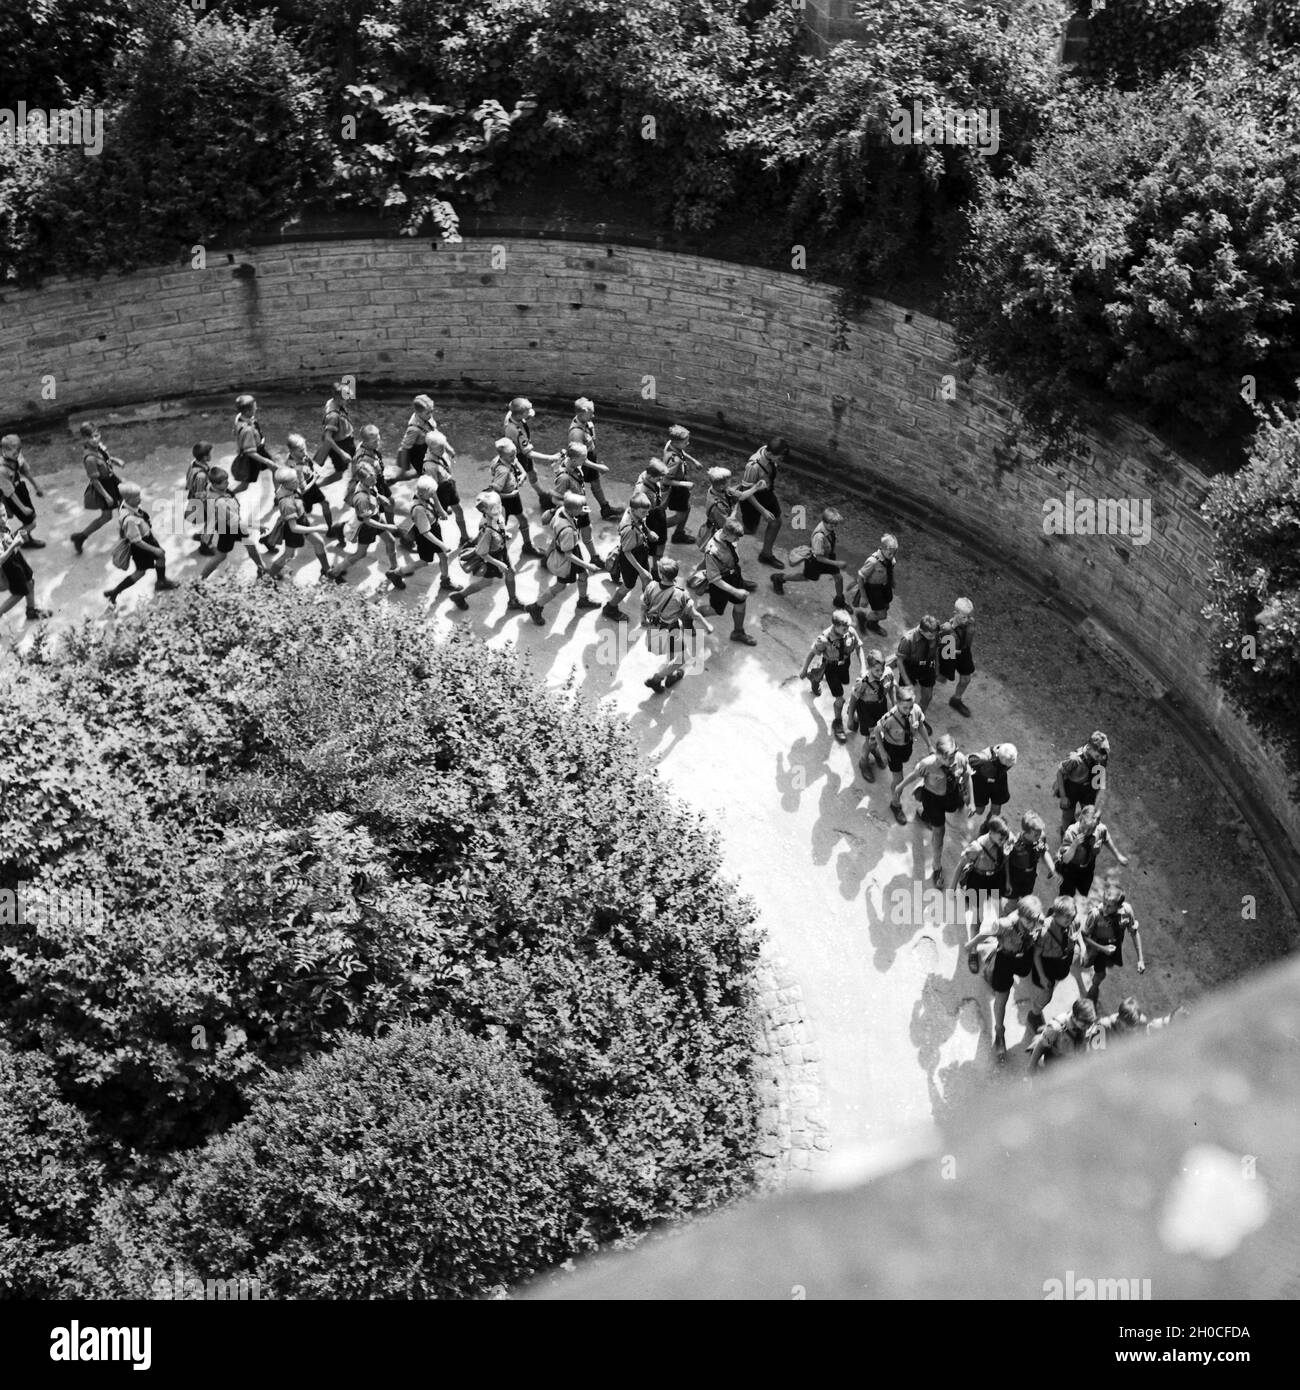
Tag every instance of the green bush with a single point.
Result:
(880, 207)
(325, 823)
(1133, 42)
(420, 1165)
(1150, 250)
(243, 148)
(50, 1179)
(1255, 582)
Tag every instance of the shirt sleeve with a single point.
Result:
(483, 545)
(247, 439)
(132, 528)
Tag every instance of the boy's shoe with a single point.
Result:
(873, 626)
(445, 585)
(515, 606)
(816, 687)
(78, 540)
(838, 730)
(1000, 1045)
(459, 600)
(33, 614)
(609, 514)
(937, 878)
(679, 537)
(656, 684)
(611, 610)
(899, 814)
(749, 585)
(960, 706)
(536, 614)
(744, 639)
(585, 605)
(865, 768)
(769, 559)
(162, 585)
(31, 543)
(395, 579)
(778, 583)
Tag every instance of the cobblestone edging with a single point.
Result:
(792, 1128)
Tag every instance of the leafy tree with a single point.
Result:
(1255, 581)
(50, 1179)
(1150, 250)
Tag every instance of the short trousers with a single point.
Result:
(1056, 968)
(1022, 885)
(111, 485)
(868, 715)
(247, 469)
(814, 568)
(628, 575)
(920, 673)
(17, 573)
(749, 512)
(511, 504)
(836, 676)
(878, 596)
(313, 497)
(1076, 880)
(226, 542)
(448, 494)
(424, 547)
(590, 474)
(1007, 968)
(993, 789)
(656, 523)
(934, 808)
(1081, 794)
(719, 600)
(679, 498)
(983, 883)
(367, 534)
(294, 539)
(415, 456)
(143, 559)
(1095, 960)
(897, 755)
(963, 664)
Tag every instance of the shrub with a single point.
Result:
(1150, 250)
(147, 201)
(881, 206)
(387, 829)
(1255, 582)
(50, 1179)
(419, 1165)
(1133, 42)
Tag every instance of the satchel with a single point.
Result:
(799, 554)
(612, 563)
(470, 560)
(91, 499)
(121, 555)
(698, 577)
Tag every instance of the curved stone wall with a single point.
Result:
(875, 401)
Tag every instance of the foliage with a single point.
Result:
(59, 52)
(882, 204)
(309, 821)
(1134, 42)
(1255, 581)
(1149, 250)
(420, 1165)
(145, 200)
(50, 1179)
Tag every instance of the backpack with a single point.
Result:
(653, 617)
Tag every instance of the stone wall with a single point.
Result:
(875, 401)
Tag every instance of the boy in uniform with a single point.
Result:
(1064, 1036)
(1081, 777)
(251, 456)
(582, 430)
(438, 459)
(1054, 953)
(874, 693)
(489, 556)
(633, 564)
(653, 481)
(505, 474)
(411, 451)
(146, 553)
(1076, 860)
(875, 587)
(830, 659)
(945, 788)
(955, 655)
(14, 569)
(101, 493)
(338, 441)
(227, 523)
(918, 650)
(16, 487)
(369, 521)
(518, 429)
(720, 503)
(895, 734)
(426, 530)
(669, 614)
(568, 477)
(1103, 932)
(1024, 854)
(295, 528)
(564, 560)
(821, 559)
(724, 581)
(679, 464)
(760, 501)
(1015, 935)
(988, 770)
